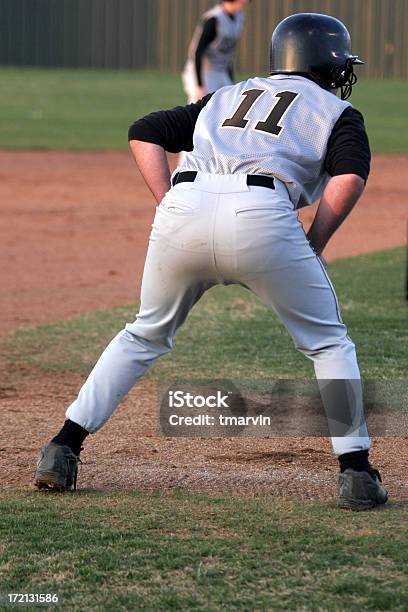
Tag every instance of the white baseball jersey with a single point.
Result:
(279, 126)
(219, 53)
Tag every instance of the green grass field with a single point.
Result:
(92, 109)
(178, 552)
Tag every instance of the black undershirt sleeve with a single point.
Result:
(348, 150)
(171, 129)
(207, 36)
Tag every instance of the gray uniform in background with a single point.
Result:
(218, 55)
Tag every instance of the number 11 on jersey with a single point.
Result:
(271, 124)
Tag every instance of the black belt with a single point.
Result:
(256, 180)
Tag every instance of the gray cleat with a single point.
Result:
(361, 490)
(57, 468)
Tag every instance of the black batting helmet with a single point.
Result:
(317, 46)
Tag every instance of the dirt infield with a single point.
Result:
(128, 453)
(74, 229)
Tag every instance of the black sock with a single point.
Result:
(356, 461)
(71, 435)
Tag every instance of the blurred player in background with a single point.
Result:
(209, 63)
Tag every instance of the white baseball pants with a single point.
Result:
(218, 230)
(212, 80)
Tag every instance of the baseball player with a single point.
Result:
(209, 63)
(258, 151)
